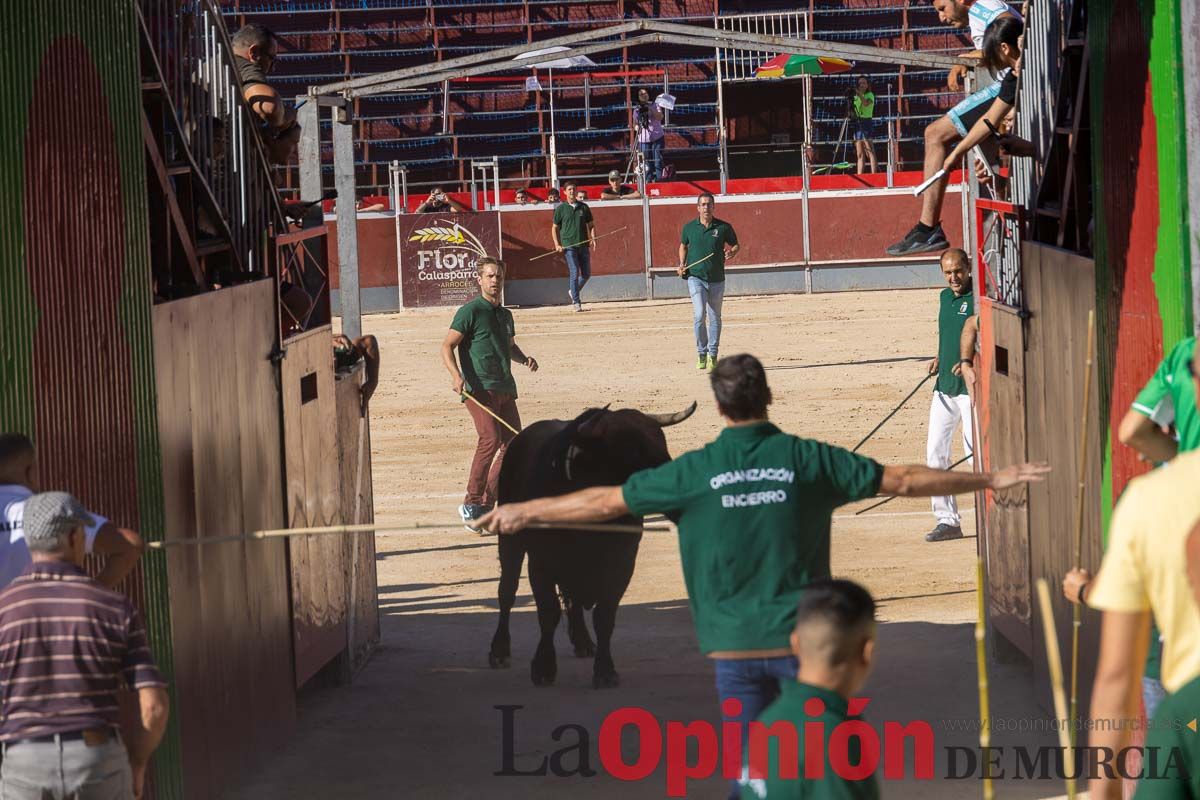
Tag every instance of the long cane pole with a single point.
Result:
(985, 716)
(330, 530)
(893, 412)
(468, 396)
(1077, 612)
(585, 241)
(1054, 658)
(886, 500)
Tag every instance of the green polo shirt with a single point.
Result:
(864, 105)
(572, 221)
(954, 311)
(1176, 775)
(754, 509)
(702, 240)
(485, 351)
(789, 707)
(1170, 396)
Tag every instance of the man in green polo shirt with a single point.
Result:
(704, 246)
(834, 641)
(754, 510)
(1168, 398)
(574, 234)
(482, 335)
(950, 406)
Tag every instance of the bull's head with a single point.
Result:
(606, 447)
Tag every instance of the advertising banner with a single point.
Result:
(438, 254)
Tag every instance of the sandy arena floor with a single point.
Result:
(421, 719)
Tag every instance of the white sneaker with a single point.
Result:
(578, 307)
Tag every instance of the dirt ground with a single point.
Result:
(421, 720)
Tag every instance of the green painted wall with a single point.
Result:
(109, 31)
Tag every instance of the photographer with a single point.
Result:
(648, 128)
(438, 202)
(862, 103)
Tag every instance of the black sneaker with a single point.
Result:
(470, 513)
(944, 533)
(919, 241)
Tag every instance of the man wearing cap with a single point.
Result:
(67, 645)
(617, 190)
(18, 480)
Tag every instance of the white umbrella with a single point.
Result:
(549, 63)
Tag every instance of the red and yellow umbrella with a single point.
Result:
(786, 65)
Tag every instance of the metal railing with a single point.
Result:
(999, 255)
(217, 135)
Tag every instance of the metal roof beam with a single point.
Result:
(504, 55)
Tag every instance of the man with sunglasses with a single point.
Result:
(254, 54)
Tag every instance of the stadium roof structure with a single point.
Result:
(626, 34)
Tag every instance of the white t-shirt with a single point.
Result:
(14, 555)
(981, 14)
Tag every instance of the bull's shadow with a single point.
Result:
(587, 569)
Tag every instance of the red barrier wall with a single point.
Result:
(861, 226)
(526, 233)
(844, 227)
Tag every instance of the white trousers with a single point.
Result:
(946, 413)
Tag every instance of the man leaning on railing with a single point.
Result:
(254, 53)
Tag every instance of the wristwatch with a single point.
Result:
(969, 361)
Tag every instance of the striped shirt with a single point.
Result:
(67, 644)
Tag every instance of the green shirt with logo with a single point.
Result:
(572, 220)
(1170, 396)
(754, 510)
(484, 354)
(789, 708)
(707, 240)
(955, 310)
(1174, 745)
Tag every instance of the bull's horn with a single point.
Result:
(674, 419)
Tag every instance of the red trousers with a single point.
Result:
(493, 441)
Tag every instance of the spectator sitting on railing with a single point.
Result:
(524, 198)
(439, 202)
(927, 235)
(1001, 51)
(617, 190)
(254, 51)
(347, 353)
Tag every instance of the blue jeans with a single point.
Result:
(755, 683)
(579, 269)
(1153, 693)
(706, 302)
(653, 153)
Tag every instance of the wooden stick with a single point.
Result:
(694, 263)
(490, 413)
(329, 530)
(893, 411)
(1077, 610)
(576, 244)
(985, 716)
(886, 500)
(1054, 658)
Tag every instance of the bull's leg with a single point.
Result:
(577, 630)
(604, 618)
(544, 667)
(512, 555)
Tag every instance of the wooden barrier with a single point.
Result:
(222, 471)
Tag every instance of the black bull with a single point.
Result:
(592, 570)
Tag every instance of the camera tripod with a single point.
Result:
(840, 144)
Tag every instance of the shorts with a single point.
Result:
(864, 128)
(972, 108)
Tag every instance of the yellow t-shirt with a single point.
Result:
(1145, 566)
